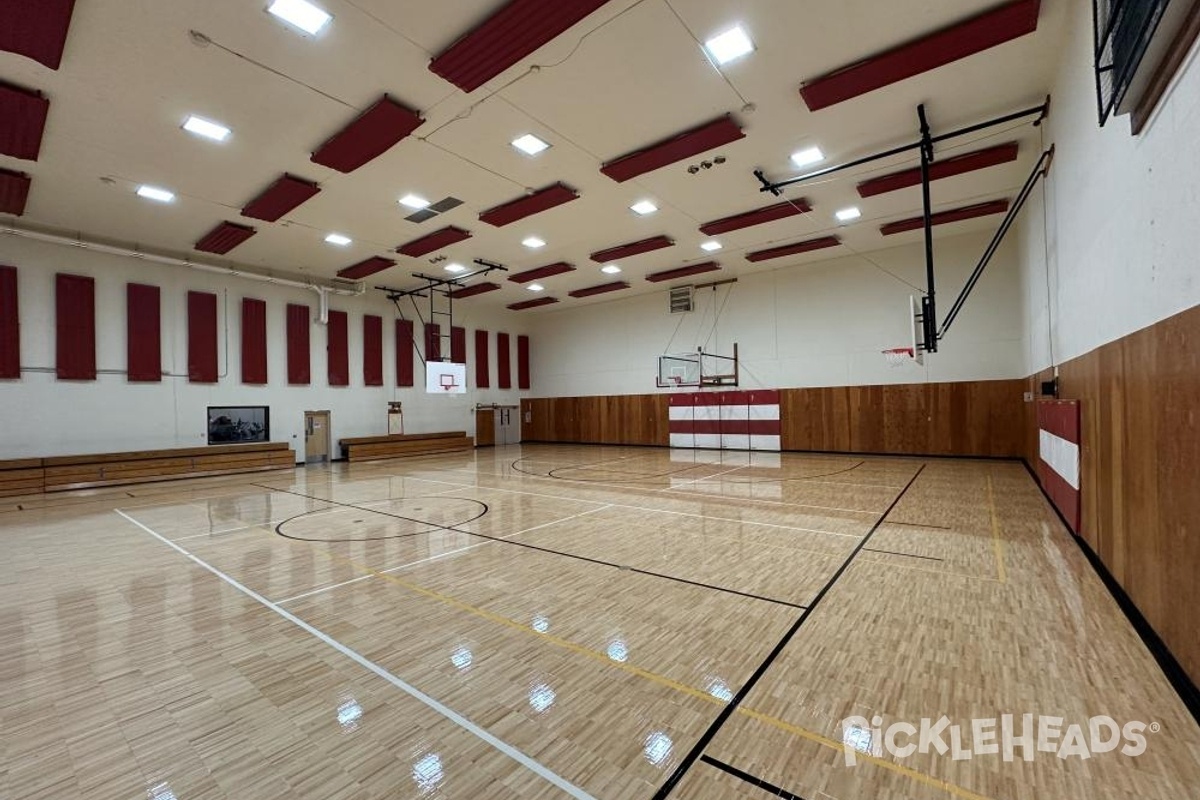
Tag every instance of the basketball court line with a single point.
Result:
(769, 788)
(429, 702)
(906, 555)
(997, 543)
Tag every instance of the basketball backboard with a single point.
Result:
(442, 377)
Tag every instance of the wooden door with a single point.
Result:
(485, 427)
(316, 436)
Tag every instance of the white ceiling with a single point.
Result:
(627, 76)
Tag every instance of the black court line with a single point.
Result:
(922, 525)
(696, 464)
(435, 526)
(770, 788)
(906, 555)
(698, 749)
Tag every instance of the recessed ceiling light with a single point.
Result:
(533, 243)
(207, 129)
(711, 247)
(733, 43)
(156, 194)
(530, 144)
(455, 268)
(414, 201)
(643, 207)
(808, 156)
(536, 287)
(610, 269)
(302, 14)
(338, 239)
(848, 214)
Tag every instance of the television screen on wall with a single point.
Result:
(237, 424)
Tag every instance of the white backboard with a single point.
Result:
(442, 377)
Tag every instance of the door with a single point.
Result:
(485, 427)
(508, 425)
(316, 436)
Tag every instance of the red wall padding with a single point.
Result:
(458, 345)
(254, 341)
(143, 342)
(404, 352)
(433, 342)
(503, 370)
(522, 362)
(37, 29)
(298, 366)
(10, 329)
(372, 350)
(483, 377)
(75, 327)
(338, 349)
(202, 337)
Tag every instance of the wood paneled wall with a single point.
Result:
(618, 419)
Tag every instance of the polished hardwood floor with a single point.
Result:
(553, 620)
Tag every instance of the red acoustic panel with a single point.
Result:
(224, 237)
(299, 368)
(365, 268)
(36, 29)
(632, 249)
(433, 342)
(202, 337)
(22, 121)
(943, 217)
(522, 362)
(280, 197)
(75, 327)
(143, 333)
(603, 288)
(254, 342)
(404, 352)
(537, 274)
(337, 346)
(793, 249)
(458, 345)
(527, 206)
(507, 36)
(683, 272)
(958, 165)
(14, 191)
(979, 33)
(503, 365)
(537, 302)
(10, 326)
(372, 350)
(434, 241)
(722, 130)
(483, 377)
(371, 135)
(756, 217)
(1059, 468)
(471, 291)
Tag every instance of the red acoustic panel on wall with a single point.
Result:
(503, 365)
(36, 29)
(943, 168)
(683, 272)
(603, 288)
(458, 345)
(366, 268)
(434, 241)
(979, 33)
(722, 130)
(1059, 454)
(632, 249)
(224, 237)
(338, 349)
(537, 274)
(143, 333)
(471, 291)
(254, 341)
(793, 249)
(527, 206)
(512, 33)
(483, 376)
(202, 337)
(280, 197)
(299, 368)
(944, 217)
(372, 350)
(757, 217)
(537, 302)
(371, 135)
(522, 362)
(14, 192)
(10, 326)
(433, 342)
(404, 352)
(75, 327)
(22, 121)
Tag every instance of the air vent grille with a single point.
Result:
(681, 299)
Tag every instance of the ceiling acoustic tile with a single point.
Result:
(982, 32)
(36, 29)
(703, 138)
(515, 31)
(433, 242)
(22, 121)
(280, 197)
(534, 303)
(943, 217)
(365, 268)
(539, 273)
(794, 249)
(757, 217)
(14, 191)
(603, 288)
(224, 237)
(683, 272)
(632, 249)
(943, 168)
(474, 289)
(527, 206)
(371, 135)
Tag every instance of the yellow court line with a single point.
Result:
(997, 542)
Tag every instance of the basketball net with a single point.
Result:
(898, 356)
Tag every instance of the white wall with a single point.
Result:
(1123, 213)
(819, 324)
(44, 416)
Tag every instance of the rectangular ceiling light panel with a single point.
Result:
(535, 303)
(631, 249)
(14, 191)
(541, 272)
(280, 197)
(471, 291)
(365, 268)
(36, 29)
(527, 206)
(22, 121)
(371, 135)
(683, 272)
(720, 131)
(946, 168)
(756, 217)
(224, 237)
(944, 217)
(434, 241)
(603, 288)
(794, 249)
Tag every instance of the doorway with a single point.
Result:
(316, 437)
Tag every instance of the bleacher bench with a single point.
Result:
(371, 448)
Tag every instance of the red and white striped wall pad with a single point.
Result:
(1058, 455)
(735, 420)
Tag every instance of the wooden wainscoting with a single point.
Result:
(639, 419)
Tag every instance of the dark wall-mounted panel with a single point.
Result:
(404, 352)
(254, 341)
(22, 121)
(338, 347)
(36, 29)
(372, 350)
(523, 362)
(503, 364)
(75, 327)
(458, 345)
(202, 337)
(10, 325)
(483, 376)
(143, 333)
(299, 367)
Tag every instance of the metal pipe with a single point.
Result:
(927, 217)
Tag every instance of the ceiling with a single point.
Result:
(628, 75)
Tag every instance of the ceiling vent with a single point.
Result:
(682, 299)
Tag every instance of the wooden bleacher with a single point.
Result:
(63, 473)
(371, 448)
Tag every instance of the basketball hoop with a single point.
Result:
(898, 356)
(448, 382)
(675, 380)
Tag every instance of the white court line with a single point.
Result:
(224, 531)
(700, 480)
(410, 690)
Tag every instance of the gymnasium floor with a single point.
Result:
(541, 621)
